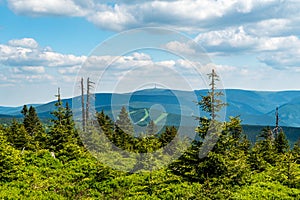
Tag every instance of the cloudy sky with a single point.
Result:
(253, 44)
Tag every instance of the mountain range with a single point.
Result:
(253, 107)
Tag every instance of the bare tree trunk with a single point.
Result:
(213, 94)
(82, 105)
(87, 100)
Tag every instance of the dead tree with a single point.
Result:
(82, 105)
(277, 128)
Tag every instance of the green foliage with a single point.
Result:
(123, 122)
(212, 102)
(220, 163)
(10, 160)
(63, 137)
(296, 152)
(266, 190)
(281, 143)
(34, 128)
(18, 137)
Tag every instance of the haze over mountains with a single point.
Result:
(253, 107)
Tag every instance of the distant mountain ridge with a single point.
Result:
(253, 107)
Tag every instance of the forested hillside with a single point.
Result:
(254, 107)
(60, 161)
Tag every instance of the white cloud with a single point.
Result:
(181, 48)
(234, 39)
(180, 14)
(115, 18)
(276, 51)
(24, 61)
(26, 52)
(31, 78)
(53, 7)
(237, 39)
(25, 43)
(281, 60)
(35, 69)
(140, 56)
(271, 27)
(69, 70)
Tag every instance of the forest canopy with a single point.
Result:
(57, 161)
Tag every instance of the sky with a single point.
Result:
(253, 45)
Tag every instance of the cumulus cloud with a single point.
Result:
(277, 51)
(182, 48)
(25, 43)
(267, 27)
(69, 70)
(180, 14)
(234, 39)
(26, 52)
(41, 8)
(25, 61)
(35, 69)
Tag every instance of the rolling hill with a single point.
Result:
(253, 107)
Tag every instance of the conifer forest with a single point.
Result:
(58, 160)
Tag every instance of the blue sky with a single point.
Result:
(43, 44)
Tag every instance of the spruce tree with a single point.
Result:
(124, 123)
(296, 151)
(19, 137)
(106, 125)
(64, 139)
(34, 127)
(124, 130)
(263, 153)
(31, 121)
(212, 102)
(222, 145)
(151, 129)
(281, 143)
(10, 160)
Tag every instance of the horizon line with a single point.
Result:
(155, 88)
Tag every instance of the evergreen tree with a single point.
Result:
(19, 137)
(168, 135)
(124, 131)
(10, 160)
(263, 153)
(124, 123)
(223, 142)
(151, 129)
(34, 127)
(106, 125)
(64, 139)
(31, 121)
(267, 134)
(24, 110)
(281, 143)
(296, 151)
(211, 103)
